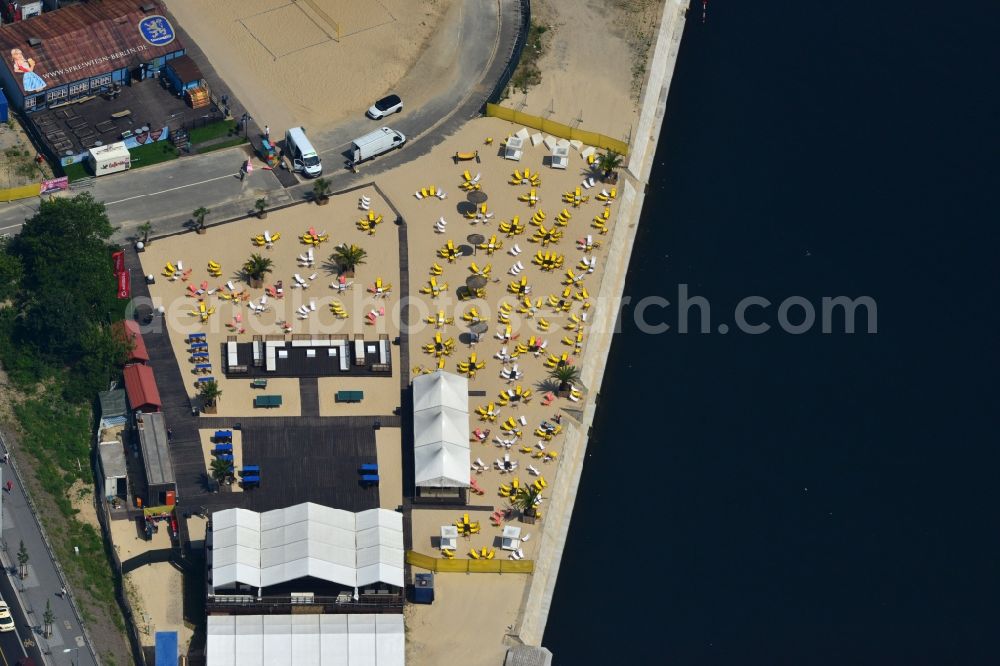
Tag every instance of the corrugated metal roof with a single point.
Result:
(84, 40)
(140, 385)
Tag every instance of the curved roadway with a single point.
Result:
(465, 65)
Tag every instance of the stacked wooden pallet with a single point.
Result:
(198, 97)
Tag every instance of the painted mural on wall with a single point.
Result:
(31, 82)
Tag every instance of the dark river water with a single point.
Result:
(794, 496)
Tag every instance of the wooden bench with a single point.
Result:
(349, 396)
(267, 401)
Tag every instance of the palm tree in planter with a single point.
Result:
(321, 191)
(145, 229)
(210, 394)
(199, 215)
(566, 375)
(222, 470)
(261, 207)
(256, 268)
(348, 257)
(609, 162)
(524, 500)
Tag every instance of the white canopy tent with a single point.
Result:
(307, 640)
(441, 430)
(261, 550)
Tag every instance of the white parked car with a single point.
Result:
(384, 107)
(6, 621)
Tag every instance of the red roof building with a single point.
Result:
(140, 387)
(129, 331)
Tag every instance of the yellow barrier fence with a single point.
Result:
(463, 565)
(23, 192)
(557, 129)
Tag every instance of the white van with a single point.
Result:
(302, 153)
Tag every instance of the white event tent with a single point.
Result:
(441, 430)
(305, 640)
(274, 547)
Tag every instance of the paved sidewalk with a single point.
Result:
(44, 581)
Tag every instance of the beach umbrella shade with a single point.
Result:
(477, 197)
(465, 250)
(465, 208)
(475, 282)
(476, 239)
(479, 328)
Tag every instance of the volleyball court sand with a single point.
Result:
(230, 245)
(288, 65)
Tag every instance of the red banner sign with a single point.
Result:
(119, 260)
(124, 285)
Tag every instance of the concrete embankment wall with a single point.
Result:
(559, 506)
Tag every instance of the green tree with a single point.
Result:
(67, 299)
(209, 393)
(145, 229)
(199, 215)
(260, 206)
(608, 162)
(321, 189)
(10, 271)
(525, 499)
(257, 267)
(348, 257)
(566, 375)
(48, 618)
(221, 470)
(22, 560)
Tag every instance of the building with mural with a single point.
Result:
(83, 50)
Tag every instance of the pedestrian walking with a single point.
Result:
(6, 458)
(62, 592)
(9, 486)
(267, 133)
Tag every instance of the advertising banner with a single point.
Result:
(124, 286)
(119, 259)
(55, 185)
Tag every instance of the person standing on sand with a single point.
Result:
(267, 133)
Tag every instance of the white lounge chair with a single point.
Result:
(441, 195)
(418, 195)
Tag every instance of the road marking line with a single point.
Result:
(172, 189)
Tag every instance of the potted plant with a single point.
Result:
(210, 394)
(145, 229)
(256, 269)
(199, 216)
(609, 162)
(566, 375)
(222, 471)
(348, 257)
(524, 500)
(261, 207)
(321, 191)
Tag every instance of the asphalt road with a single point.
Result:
(166, 194)
(12, 643)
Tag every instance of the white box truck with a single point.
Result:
(109, 159)
(302, 153)
(375, 143)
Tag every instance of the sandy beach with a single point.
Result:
(309, 62)
(230, 246)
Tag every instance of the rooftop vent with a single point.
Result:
(34, 41)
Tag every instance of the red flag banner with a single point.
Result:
(119, 259)
(124, 285)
